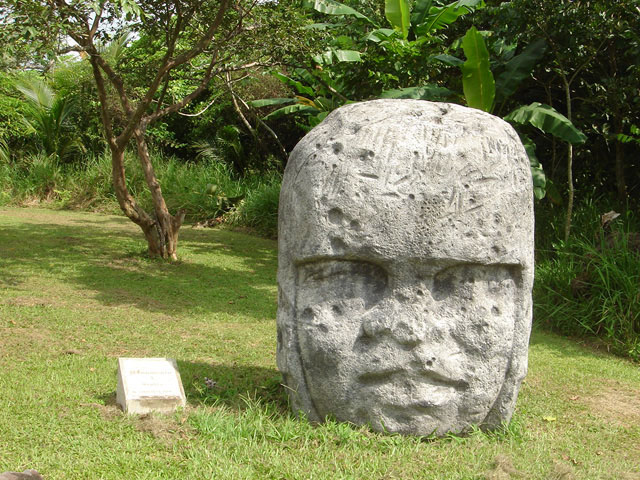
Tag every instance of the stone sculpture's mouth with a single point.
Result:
(426, 377)
(416, 392)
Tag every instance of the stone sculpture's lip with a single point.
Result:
(429, 390)
(419, 377)
(431, 398)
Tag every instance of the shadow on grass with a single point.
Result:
(235, 386)
(223, 271)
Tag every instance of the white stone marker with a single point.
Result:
(149, 385)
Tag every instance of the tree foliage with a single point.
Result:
(189, 43)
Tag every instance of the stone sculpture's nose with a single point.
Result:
(405, 325)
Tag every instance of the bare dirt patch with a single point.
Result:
(615, 402)
(164, 428)
(22, 342)
(503, 469)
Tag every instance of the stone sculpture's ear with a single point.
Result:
(288, 351)
(504, 405)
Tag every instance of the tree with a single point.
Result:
(590, 74)
(193, 42)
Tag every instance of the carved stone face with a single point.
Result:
(406, 268)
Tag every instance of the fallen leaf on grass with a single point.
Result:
(549, 419)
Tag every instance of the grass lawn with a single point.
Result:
(76, 293)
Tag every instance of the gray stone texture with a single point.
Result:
(26, 475)
(405, 268)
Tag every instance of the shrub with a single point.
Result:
(592, 288)
(259, 210)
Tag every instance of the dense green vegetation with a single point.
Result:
(75, 294)
(565, 74)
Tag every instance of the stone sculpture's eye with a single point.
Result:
(469, 281)
(483, 299)
(341, 280)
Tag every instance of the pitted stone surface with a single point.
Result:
(405, 268)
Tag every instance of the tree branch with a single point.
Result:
(167, 65)
(185, 100)
(104, 108)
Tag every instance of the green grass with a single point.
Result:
(76, 293)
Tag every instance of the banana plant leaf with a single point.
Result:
(331, 7)
(440, 17)
(289, 109)
(477, 80)
(519, 68)
(420, 11)
(426, 92)
(537, 173)
(300, 88)
(397, 13)
(381, 34)
(548, 120)
(321, 26)
(449, 60)
(267, 102)
(327, 58)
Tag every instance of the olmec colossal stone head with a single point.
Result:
(405, 268)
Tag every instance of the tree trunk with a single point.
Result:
(161, 232)
(163, 237)
(567, 223)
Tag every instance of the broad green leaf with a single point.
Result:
(321, 26)
(266, 102)
(331, 7)
(426, 92)
(548, 120)
(477, 80)
(471, 4)
(537, 173)
(348, 55)
(449, 60)
(519, 68)
(300, 88)
(441, 17)
(325, 58)
(420, 11)
(330, 55)
(324, 104)
(397, 13)
(297, 108)
(381, 34)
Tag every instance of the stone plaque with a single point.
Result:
(405, 268)
(149, 385)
